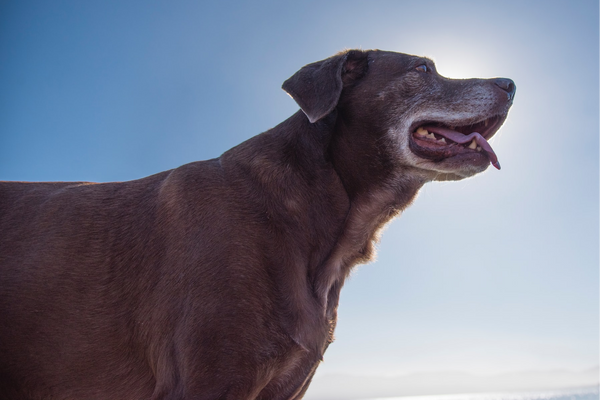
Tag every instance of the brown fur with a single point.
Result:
(220, 279)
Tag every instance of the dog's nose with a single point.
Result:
(507, 85)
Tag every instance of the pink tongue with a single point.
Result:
(462, 139)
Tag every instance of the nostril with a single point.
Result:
(506, 84)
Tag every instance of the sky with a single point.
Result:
(494, 274)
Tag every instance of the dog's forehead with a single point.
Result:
(399, 61)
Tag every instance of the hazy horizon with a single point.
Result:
(363, 387)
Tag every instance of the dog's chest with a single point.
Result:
(290, 377)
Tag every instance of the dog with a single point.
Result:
(220, 279)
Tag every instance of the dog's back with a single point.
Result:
(93, 276)
(63, 295)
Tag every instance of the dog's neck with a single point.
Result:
(321, 168)
(377, 190)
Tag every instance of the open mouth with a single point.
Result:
(437, 141)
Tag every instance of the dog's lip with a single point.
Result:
(461, 138)
(486, 126)
(462, 135)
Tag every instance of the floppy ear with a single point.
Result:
(317, 87)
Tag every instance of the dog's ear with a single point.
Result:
(317, 87)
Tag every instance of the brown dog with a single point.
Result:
(220, 279)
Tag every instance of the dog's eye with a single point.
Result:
(422, 68)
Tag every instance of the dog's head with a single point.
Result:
(436, 126)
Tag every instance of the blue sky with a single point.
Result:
(493, 274)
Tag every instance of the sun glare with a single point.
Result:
(464, 66)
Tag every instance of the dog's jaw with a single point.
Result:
(446, 142)
(437, 150)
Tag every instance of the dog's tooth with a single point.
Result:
(422, 132)
(431, 136)
(478, 148)
(487, 121)
(442, 140)
(473, 144)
